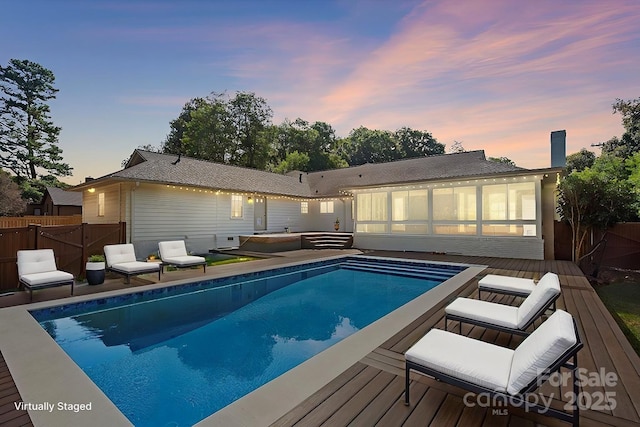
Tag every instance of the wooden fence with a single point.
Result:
(621, 249)
(25, 221)
(72, 245)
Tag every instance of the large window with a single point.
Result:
(236, 206)
(326, 207)
(409, 211)
(454, 204)
(372, 207)
(506, 208)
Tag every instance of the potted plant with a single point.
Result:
(95, 269)
(336, 225)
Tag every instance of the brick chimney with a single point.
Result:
(558, 148)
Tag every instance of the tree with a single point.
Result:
(580, 161)
(10, 194)
(457, 147)
(629, 142)
(250, 116)
(371, 146)
(208, 133)
(28, 137)
(505, 160)
(294, 161)
(415, 143)
(595, 199)
(173, 142)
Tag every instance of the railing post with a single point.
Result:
(36, 236)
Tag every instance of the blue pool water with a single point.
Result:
(176, 358)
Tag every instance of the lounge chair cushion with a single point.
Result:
(118, 254)
(47, 278)
(172, 249)
(507, 284)
(136, 267)
(464, 358)
(36, 261)
(541, 349)
(546, 289)
(484, 311)
(184, 260)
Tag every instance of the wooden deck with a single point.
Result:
(371, 391)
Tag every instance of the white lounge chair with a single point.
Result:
(502, 373)
(37, 270)
(507, 285)
(121, 259)
(175, 253)
(505, 317)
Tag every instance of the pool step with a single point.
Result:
(326, 240)
(398, 271)
(429, 268)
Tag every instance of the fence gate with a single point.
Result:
(72, 245)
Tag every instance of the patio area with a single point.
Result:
(371, 391)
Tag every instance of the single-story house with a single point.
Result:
(57, 201)
(454, 203)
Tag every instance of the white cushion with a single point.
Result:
(36, 261)
(184, 260)
(46, 278)
(546, 289)
(506, 283)
(136, 266)
(118, 254)
(471, 360)
(484, 311)
(540, 349)
(172, 249)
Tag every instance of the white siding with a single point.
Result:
(283, 213)
(111, 205)
(316, 221)
(201, 218)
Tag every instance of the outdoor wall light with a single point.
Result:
(91, 190)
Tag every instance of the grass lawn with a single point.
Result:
(229, 261)
(622, 298)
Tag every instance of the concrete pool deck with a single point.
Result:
(45, 375)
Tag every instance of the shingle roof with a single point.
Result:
(155, 167)
(61, 197)
(455, 165)
(189, 171)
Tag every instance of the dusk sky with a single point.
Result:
(492, 74)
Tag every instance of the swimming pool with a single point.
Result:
(161, 364)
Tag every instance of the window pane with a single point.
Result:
(522, 201)
(509, 230)
(467, 229)
(236, 206)
(304, 207)
(100, 204)
(400, 205)
(457, 203)
(494, 202)
(379, 206)
(409, 228)
(418, 205)
(371, 228)
(364, 207)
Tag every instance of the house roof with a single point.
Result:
(61, 197)
(166, 168)
(444, 166)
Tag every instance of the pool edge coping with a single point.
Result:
(37, 364)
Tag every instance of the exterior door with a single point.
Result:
(259, 213)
